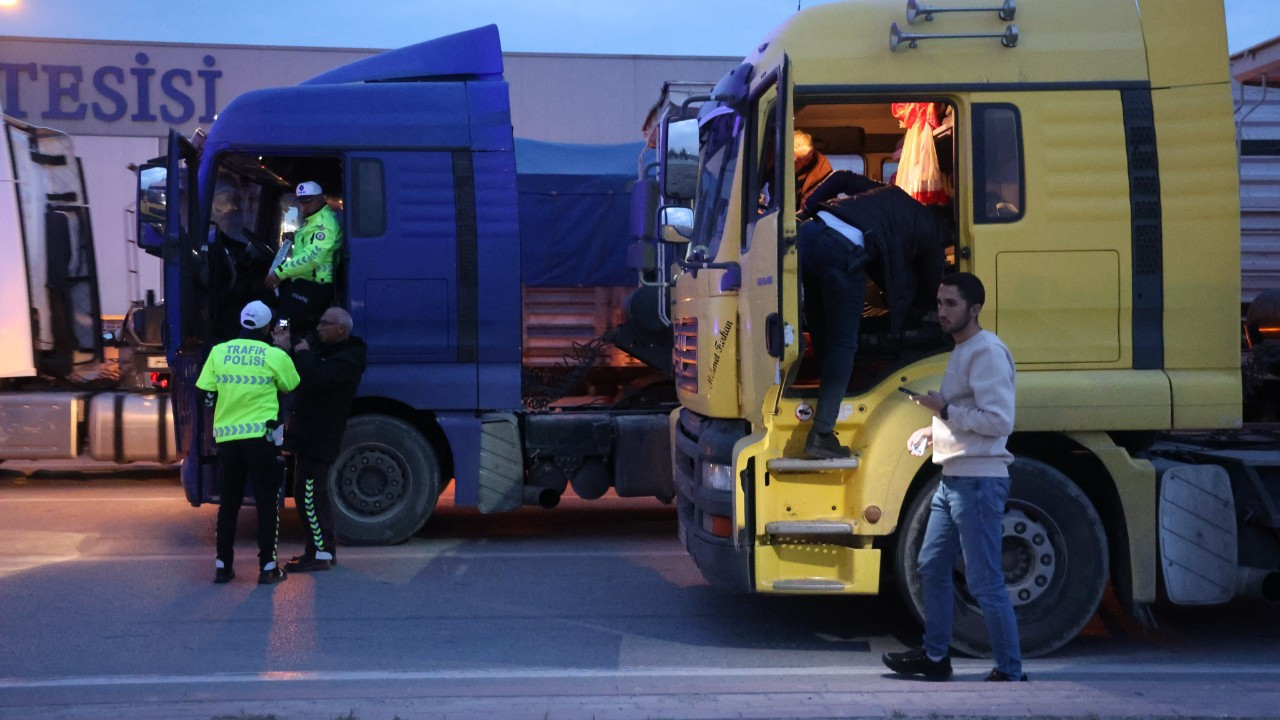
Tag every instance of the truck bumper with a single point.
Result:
(696, 441)
(723, 565)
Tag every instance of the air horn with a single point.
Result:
(916, 10)
(1008, 38)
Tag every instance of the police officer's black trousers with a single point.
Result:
(833, 272)
(302, 302)
(311, 495)
(253, 460)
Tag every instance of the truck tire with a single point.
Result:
(385, 483)
(1054, 560)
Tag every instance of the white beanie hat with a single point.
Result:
(255, 316)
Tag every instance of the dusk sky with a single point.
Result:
(642, 27)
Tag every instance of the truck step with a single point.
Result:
(780, 466)
(40, 426)
(803, 567)
(809, 527)
(811, 585)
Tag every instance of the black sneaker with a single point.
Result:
(824, 446)
(916, 662)
(307, 556)
(997, 676)
(308, 564)
(272, 576)
(224, 574)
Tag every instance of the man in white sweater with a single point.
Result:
(973, 416)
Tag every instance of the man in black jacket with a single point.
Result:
(877, 230)
(330, 374)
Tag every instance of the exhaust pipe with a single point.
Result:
(1258, 583)
(541, 496)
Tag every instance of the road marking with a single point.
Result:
(349, 555)
(1039, 670)
(90, 498)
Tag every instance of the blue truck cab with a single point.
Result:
(416, 152)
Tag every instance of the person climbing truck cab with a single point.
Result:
(305, 278)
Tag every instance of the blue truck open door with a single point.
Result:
(185, 332)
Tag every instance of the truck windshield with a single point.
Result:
(717, 159)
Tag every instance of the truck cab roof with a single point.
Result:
(432, 92)
(1088, 41)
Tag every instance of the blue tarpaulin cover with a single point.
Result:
(575, 205)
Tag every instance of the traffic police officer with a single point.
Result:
(242, 377)
(306, 277)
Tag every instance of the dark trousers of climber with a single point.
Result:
(311, 495)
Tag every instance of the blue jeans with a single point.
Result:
(966, 516)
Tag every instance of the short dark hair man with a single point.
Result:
(242, 378)
(973, 417)
(330, 373)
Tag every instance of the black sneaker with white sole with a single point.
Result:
(917, 662)
(223, 574)
(307, 556)
(306, 564)
(272, 576)
(997, 676)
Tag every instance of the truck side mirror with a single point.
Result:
(680, 161)
(677, 224)
(152, 208)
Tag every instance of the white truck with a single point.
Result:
(1256, 75)
(67, 389)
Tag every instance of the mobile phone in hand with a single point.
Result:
(908, 391)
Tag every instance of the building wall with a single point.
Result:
(119, 100)
(595, 98)
(1258, 117)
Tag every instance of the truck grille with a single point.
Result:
(684, 356)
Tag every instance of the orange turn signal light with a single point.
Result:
(721, 526)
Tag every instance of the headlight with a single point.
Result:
(717, 476)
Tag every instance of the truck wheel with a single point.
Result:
(385, 483)
(1054, 559)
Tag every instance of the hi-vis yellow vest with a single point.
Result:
(246, 374)
(313, 247)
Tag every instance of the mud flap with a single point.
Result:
(1197, 534)
(501, 464)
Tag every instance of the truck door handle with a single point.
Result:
(774, 335)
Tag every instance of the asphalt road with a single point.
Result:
(587, 611)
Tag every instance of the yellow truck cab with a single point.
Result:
(1089, 161)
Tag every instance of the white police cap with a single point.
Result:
(255, 316)
(308, 189)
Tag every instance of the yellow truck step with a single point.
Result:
(811, 585)
(782, 466)
(809, 527)
(817, 568)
